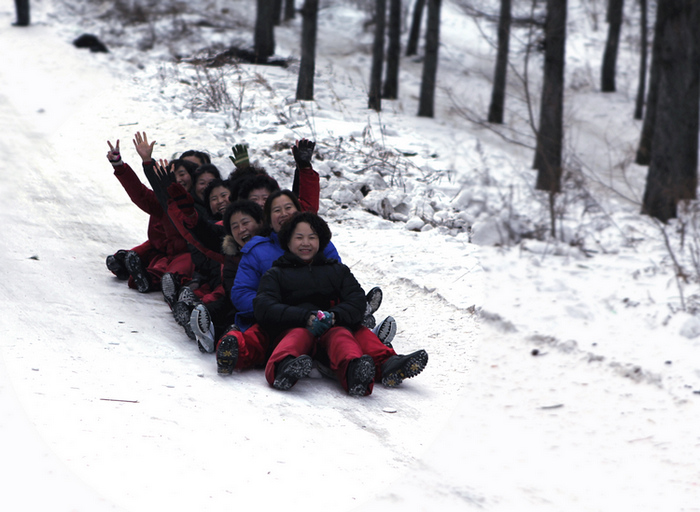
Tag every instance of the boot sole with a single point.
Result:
(204, 338)
(408, 370)
(135, 268)
(295, 370)
(362, 376)
(387, 331)
(169, 288)
(227, 355)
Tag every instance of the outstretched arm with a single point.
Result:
(306, 183)
(140, 194)
(143, 148)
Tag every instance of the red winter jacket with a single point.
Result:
(161, 232)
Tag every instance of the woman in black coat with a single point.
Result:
(307, 302)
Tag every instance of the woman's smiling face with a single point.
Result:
(281, 210)
(304, 242)
(243, 227)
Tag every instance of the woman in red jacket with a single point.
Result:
(165, 250)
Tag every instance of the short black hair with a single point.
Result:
(200, 155)
(255, 182)
(277, 193)
(190, 167)
(318, 226)
(206, 169)
(244, 206)
(239, 176)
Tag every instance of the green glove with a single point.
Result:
(240, 156)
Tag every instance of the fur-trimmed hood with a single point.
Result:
(229, 246)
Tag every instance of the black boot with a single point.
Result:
(135, 267)
(170, 285)
(290, 370)
(227, 352)
(397, 368)
(182, 311)
(116, 265)
(360, 375)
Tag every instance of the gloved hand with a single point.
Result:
(240, 156)
(321, 322)
(164, 174)
(303, 151)
(113, 154)
(181, 198)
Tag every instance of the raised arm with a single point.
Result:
(306, 183)
(140, 194)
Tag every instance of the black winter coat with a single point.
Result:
(292, 290)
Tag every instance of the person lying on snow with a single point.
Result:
(308, 303)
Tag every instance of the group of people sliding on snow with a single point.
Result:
(250, 272)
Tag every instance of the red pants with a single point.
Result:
(207, 295)
(158, 264)
(252, 347)
(338, 342)
(370, 344)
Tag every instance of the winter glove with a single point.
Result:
(182, 198)
(321, 322)
(159, 182)
(114, 157)
(240, 156)
(303, 151)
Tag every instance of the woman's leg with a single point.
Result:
(341, 347)
(294, 343)
(370, 344)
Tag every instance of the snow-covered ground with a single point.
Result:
(559, 378)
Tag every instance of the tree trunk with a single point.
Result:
(264, 31)
(414, 34)
(289, 10)
(615, 9)
(644, 42)
(22, 11)
(548, 154)
(426, 106)
(672, 175)
(375, 85)
(277, 12)
(498, 93)
(307, 67)
(644, 151)
(393, 53)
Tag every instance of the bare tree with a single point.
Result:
(426, 106)
(307, 67)
(393, 52)
(548, 153)
(644, 43)
(264, 31)
(22, 11)
(614, 18)
(289, 10)
(498, 93)
(375, 84)
(414, 34)
(673, 170)
(277, 12)
(643, 156)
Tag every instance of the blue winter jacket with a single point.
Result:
(258, 256)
